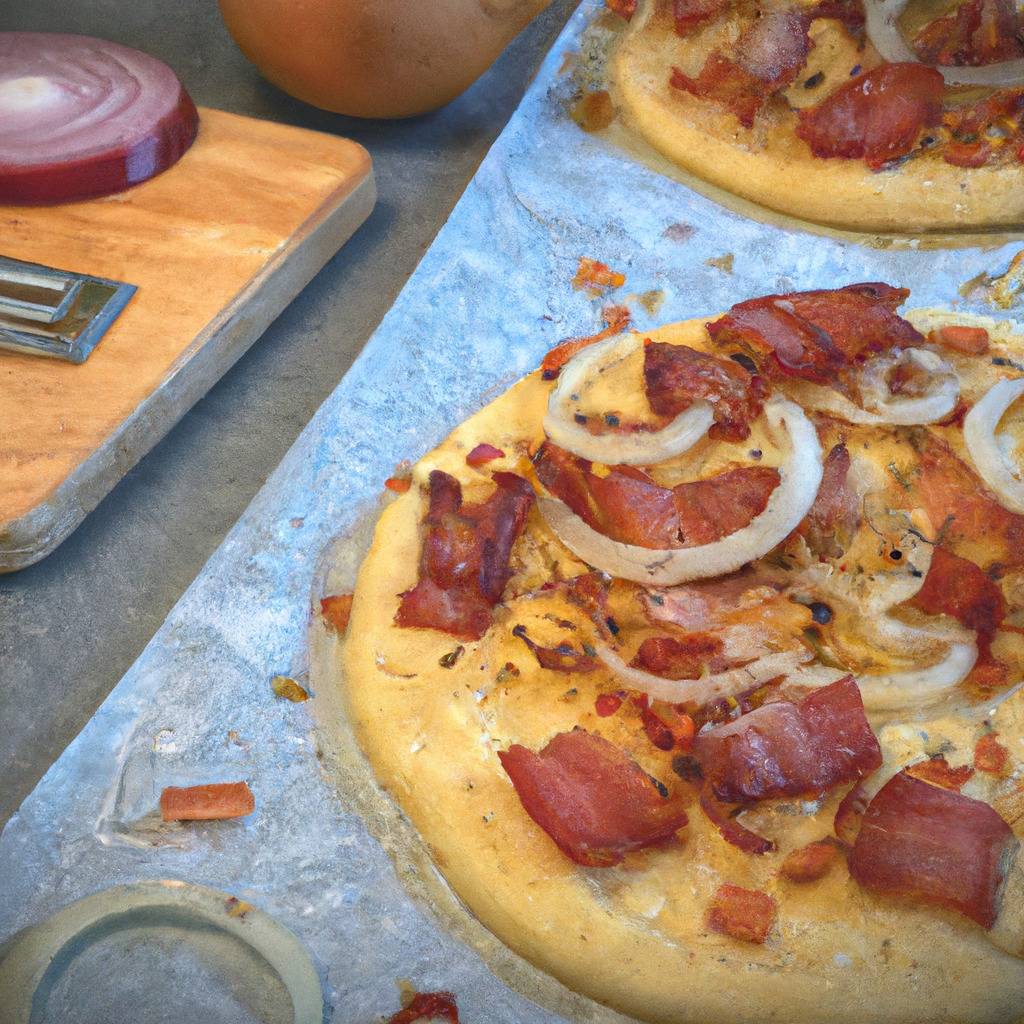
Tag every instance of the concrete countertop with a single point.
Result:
(71, 625)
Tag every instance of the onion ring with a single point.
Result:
(789, 502)
(990, 458)
(887, 39)
(642, 448)
(918, 687)
(884, 409)
(707, 687)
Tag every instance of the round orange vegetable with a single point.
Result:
(388, 58)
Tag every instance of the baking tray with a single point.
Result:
(324, 854)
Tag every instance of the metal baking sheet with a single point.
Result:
(489, 298)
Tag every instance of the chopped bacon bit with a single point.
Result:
(628, 506)
(624, 8)
(616, 320)
(594, 111)
(215, 801)
(398, 484)
(954, 586)
(738, 90)
(428, 1006)
(877, 116)
(730, 829)
(607, 704)
(666, 727)
(831, 522)
(934, 845)
(810, 862)
(850, 811)
(970, 340)
(691, 14)
(593, 800)
(814, 335)
(676, 376)
(967, 154)
(336, 610)
(596, 276)
(979, 32)
(559, 659)
(746, 914)
(937, 771)
(791, 749)
(464, 558)
(482, 454)
(961, 507)
(990, 755)
(678, 657)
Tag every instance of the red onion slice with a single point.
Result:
(887, 39)
(83, 117)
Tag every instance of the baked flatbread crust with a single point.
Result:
(633, 937)
(769, 165)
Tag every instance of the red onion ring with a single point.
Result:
(84, 117)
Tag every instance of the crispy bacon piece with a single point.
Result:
(464, 559)
(832, 520)
(787, 749)
(990, 755)
(698, 605)
(746, 914)
(978, 32)
(937, 771)
(616, 320)
(729, 828)
(722, 80)
(932, 844)
(676, 376)
(961, 507)
(628, 506)
(593, 800)
(690, 15)
(954, 586)
(877, 116)
(559, 659)
(814, 335)
(683, 657)
(213, 801)
(336, 610)
(428, 1006)
(596, 276)
(482, 454)
(972, 341)
(810, 862)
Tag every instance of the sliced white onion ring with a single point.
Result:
(708, 687)
(880, 407)
(642, 448)
(887, 38)
(991, 460)
(800, 475)
(918, 687)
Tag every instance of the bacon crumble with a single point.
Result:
(745, 914)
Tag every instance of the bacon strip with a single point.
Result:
(680, 657)
(979, 32)
(730, 829)
(746, 914)
(428, 1006)
(934, 845)
(593, 800)
(464, 560)
(814, 335)
(727, 83)
(787, 749)
(628, 506)
(832, 520)
(676, 376)
(877, 116)
(962, 508)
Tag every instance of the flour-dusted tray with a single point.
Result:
(489, 298)
(218, 245)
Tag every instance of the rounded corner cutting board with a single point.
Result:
(218, 245)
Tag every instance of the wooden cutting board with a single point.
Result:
(218, 245)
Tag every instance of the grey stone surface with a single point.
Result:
(71, 625)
